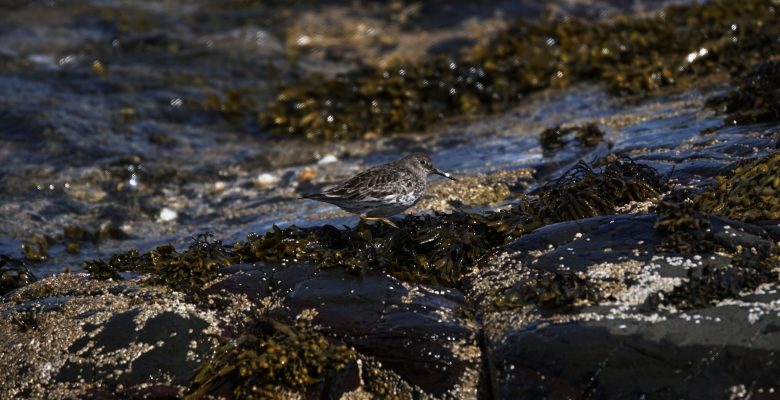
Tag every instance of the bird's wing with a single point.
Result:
(371, 184)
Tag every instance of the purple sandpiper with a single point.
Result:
(382, 191)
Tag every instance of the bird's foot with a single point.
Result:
(385, 220)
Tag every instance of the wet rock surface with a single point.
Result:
(423, 334)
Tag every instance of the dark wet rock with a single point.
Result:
(595, 308)
(415, 336)
(418, 332)
(243, 279)
(714, 353)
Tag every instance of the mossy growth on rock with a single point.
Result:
(756, 97)
(556, 137)
(270, 356)
(630, 54)
(751, 193)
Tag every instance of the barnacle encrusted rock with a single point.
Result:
(581, 308)
(67, 335)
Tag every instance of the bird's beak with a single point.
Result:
(442, 173)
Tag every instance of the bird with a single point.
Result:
(384, 190)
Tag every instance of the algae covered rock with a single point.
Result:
(599, 308)
(423, 334)
(631, 55)
(402, 339)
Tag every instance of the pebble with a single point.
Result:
(167, 215)
(266, 179)
(327, 159)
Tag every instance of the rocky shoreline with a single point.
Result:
(617, 252)
(576, 308)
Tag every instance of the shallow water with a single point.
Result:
(120, 115)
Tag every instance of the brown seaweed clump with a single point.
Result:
(756, 98)
(269, 359)
(587, 135)
(684, 228)
(749, 269)
(632, 55)
(187, 271)
(751, 193)
(37, 248)
(431, 249)
(73, 236)
(13, 274)
(551, 291)
(582, 192)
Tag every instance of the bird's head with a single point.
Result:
(422, 162)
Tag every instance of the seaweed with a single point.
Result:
(686, 227)
(550, 291)
(751, 193)
(37, 248)
(234, 103)
(582, 192)
(749, 269)
(13, 274)
(267, 356)
(436, 249)
(432, 249)
(187, 271)
(631, 55)
(683, 227)
(756, 97)
(587, 135)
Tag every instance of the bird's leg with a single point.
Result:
(385, 220)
